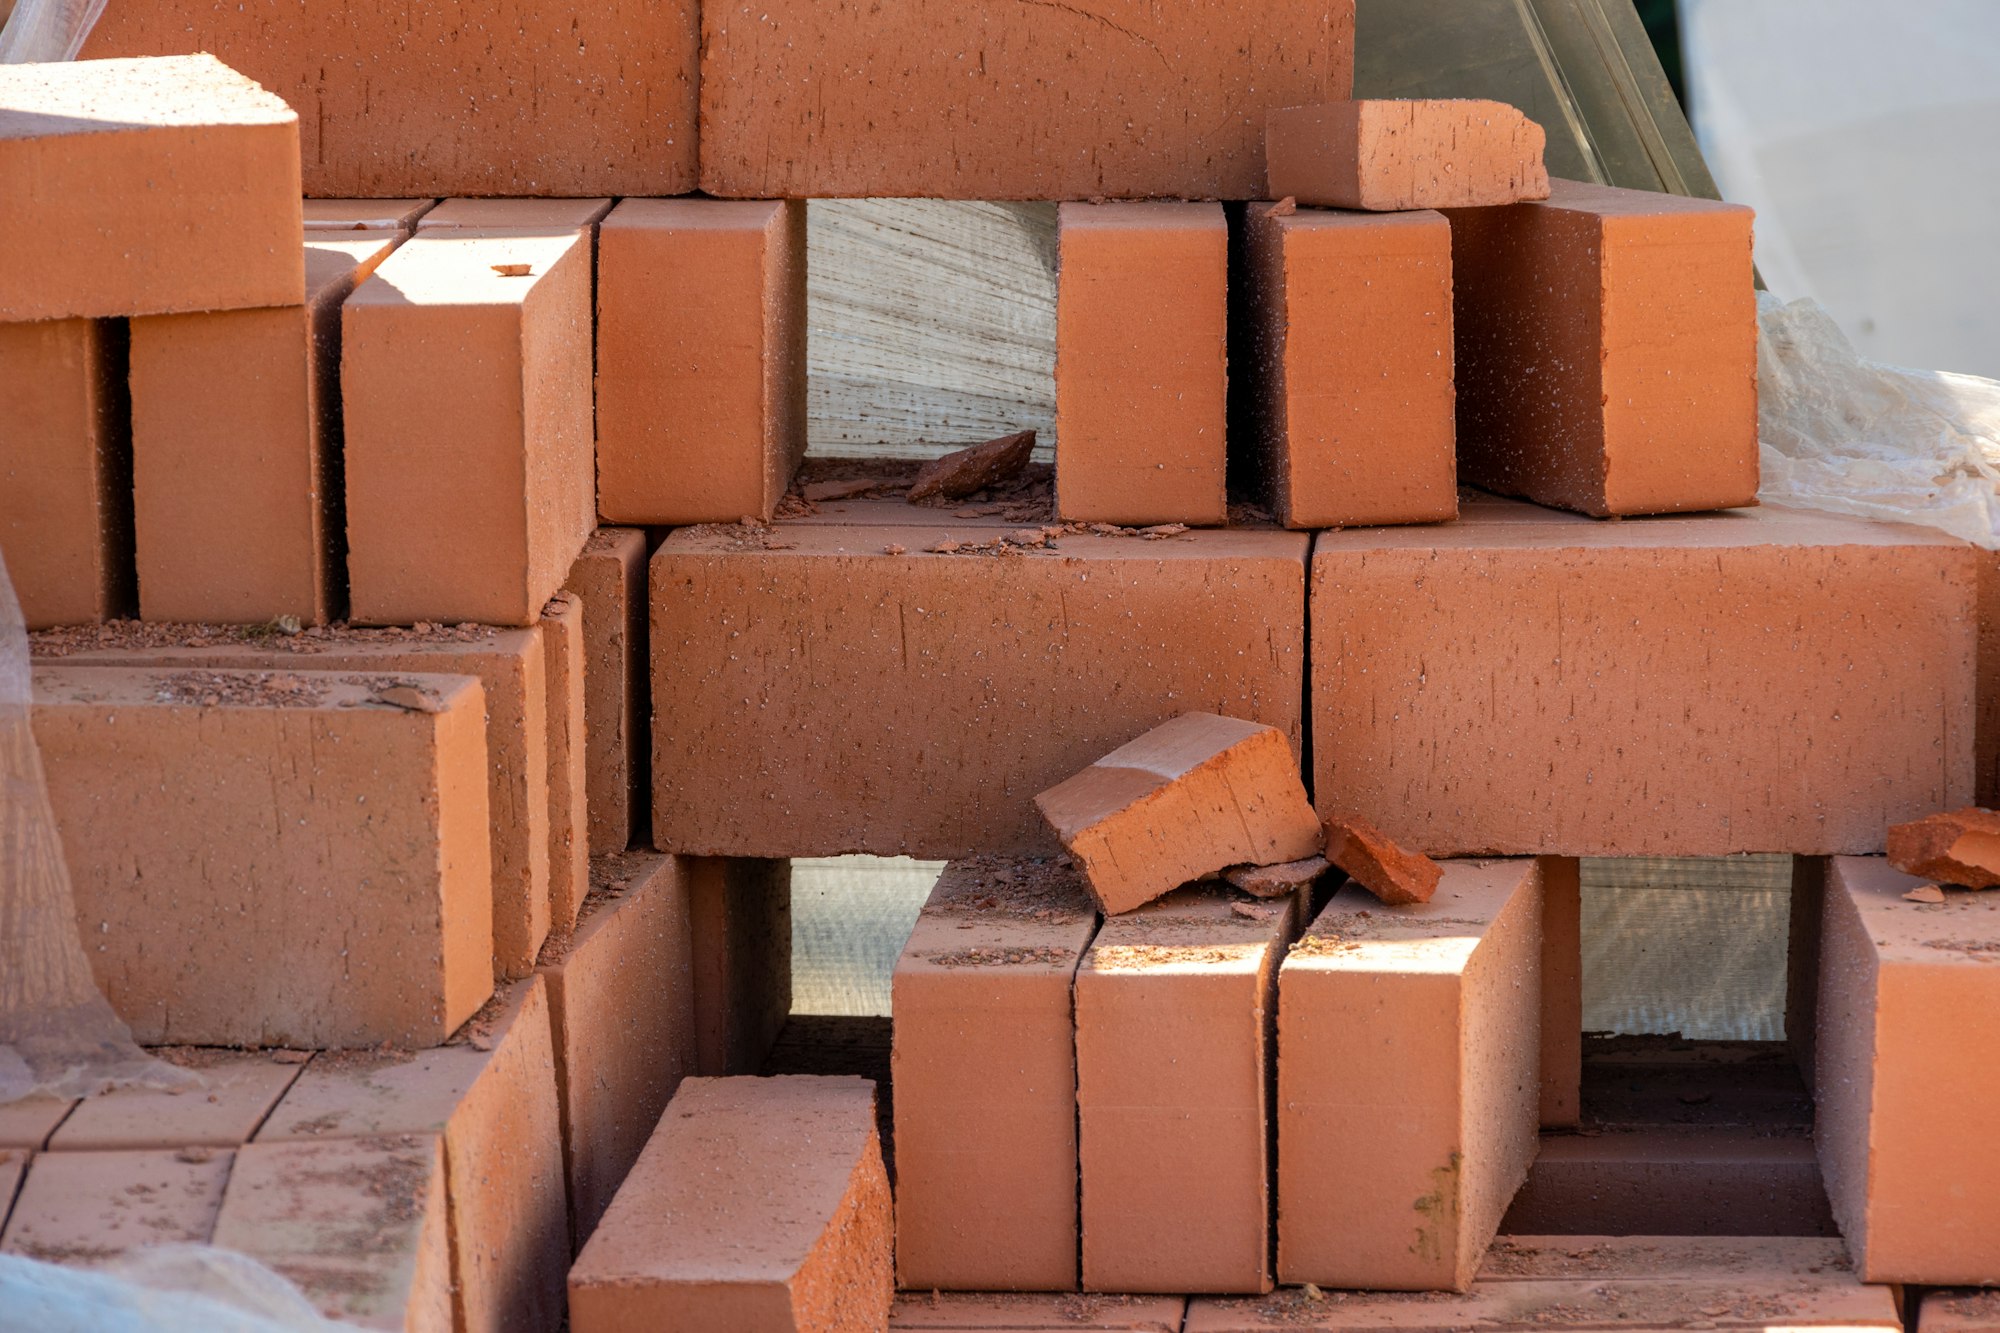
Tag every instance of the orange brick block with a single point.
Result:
(610, 576)
(85, 1209)
(563, 645)
(741, 918)
(236, 1092)
(1400, 154)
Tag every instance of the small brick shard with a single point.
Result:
(1394, 874)
(1962, 847)
(963, 471)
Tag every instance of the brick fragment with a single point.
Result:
(1406, 153)
(490, 1098)
(1192, 796)
(1394, 874)
(468, 409)
(1174, 1008)
(758, 1203)
(337, 215)
(998, 1312)
(1576, 748)
(1607, 351)
(984, 1068)
(1961, 847)
(1278, 881)
(701, 355)
(313, 865)
(802, 99)
(84, 1209)
(1350, 370)
(236, 441)
(963, 471)
(359, 1224)
(564, 645)
(925, 649)
(507, 214)
(435, 102)
(610, 576)
(1903, 1129)
(84, 146)
(741, 918)
(66, 470)
(1142, 370)
(237, 1090)
(621, 999)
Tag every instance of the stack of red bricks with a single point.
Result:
(438, 661)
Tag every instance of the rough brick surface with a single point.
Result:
(808, 99)
(621, 998)
(740, 913)
(1142, 374)
(610, 576)
(235, 450)
(398, 215)
(66, 470)
(440, 100)
(1529, 682)
(1905, 1046)
(1194, 795)
(1961, 1311)
(138, 187)
(1607, 351)
(313, 864)
(870, 670)
(1959, 847)
(564, 622)
(1350, 365)
(237, 1090)
(468, 406)
(83, 1209)
(701, 359)
(1174, 1008)
(1395, 875)
(759, 1203)
(1386, 155)
(984, 1068)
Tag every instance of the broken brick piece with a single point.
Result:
(1393, 874)
(1191, 796)
(610, 576)
(1280, 880)
(87, 151)
(760, 1203)
(563, 629)
(1408, 153)
(1962, 847)
(984, 1068)
(84, 1209)
(964, 471)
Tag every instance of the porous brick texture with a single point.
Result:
(872, 659)
(1904, 1043)
(139, 187)
(1607, 351)
(760, 1203)
(809, 99)
(701, 359)
(1174, 1008)
(1959, 847)
(1961, 1311)
(564, 625)
(1142, 362)
(1527, 682)
(66, 470)
(82, 1209)
(1350, 365)
(1389, 155)
(984, 1068)
(468, 407)
(1409, 1091)
(1192, 796)
(443, 100)
(265, 859)
(610, 577)
(235, 450)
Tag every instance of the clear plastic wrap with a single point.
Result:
(43, 30)
(162, 1289)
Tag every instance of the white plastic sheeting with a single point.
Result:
(43, 30)
(166, 1289)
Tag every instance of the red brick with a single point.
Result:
(1607, 351)
(1960, 847)
(313, 873)
(804, 99)
(85, 1209)
(235, 443)
(869, 671)
(1386, 155)
(610, 576)
(984, 1068)
(1351, 366)
(1393, 874)
(1905, 1055)
(563, 621)
(83, 147)
(1960, 1311)
(1528, 682)
(444, 101)
(237, 1090)
(1701, 1181)
(397, 215)
(66, 470)
(621, 998)
(468, 404)
(759, 1203)
(491, 1097)
(740, 912)
(1174, 1008)
(996, 1312)
(301, 1207)
(1562, 992)
(508, 214)
(1191, 797)
(509, 665)
(1408, 1082)
(27, 1123)
(701, 355)
(1142, 357)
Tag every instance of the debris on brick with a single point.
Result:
(975, 468)
(1960, 847)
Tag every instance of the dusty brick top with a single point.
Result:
(132, 635)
